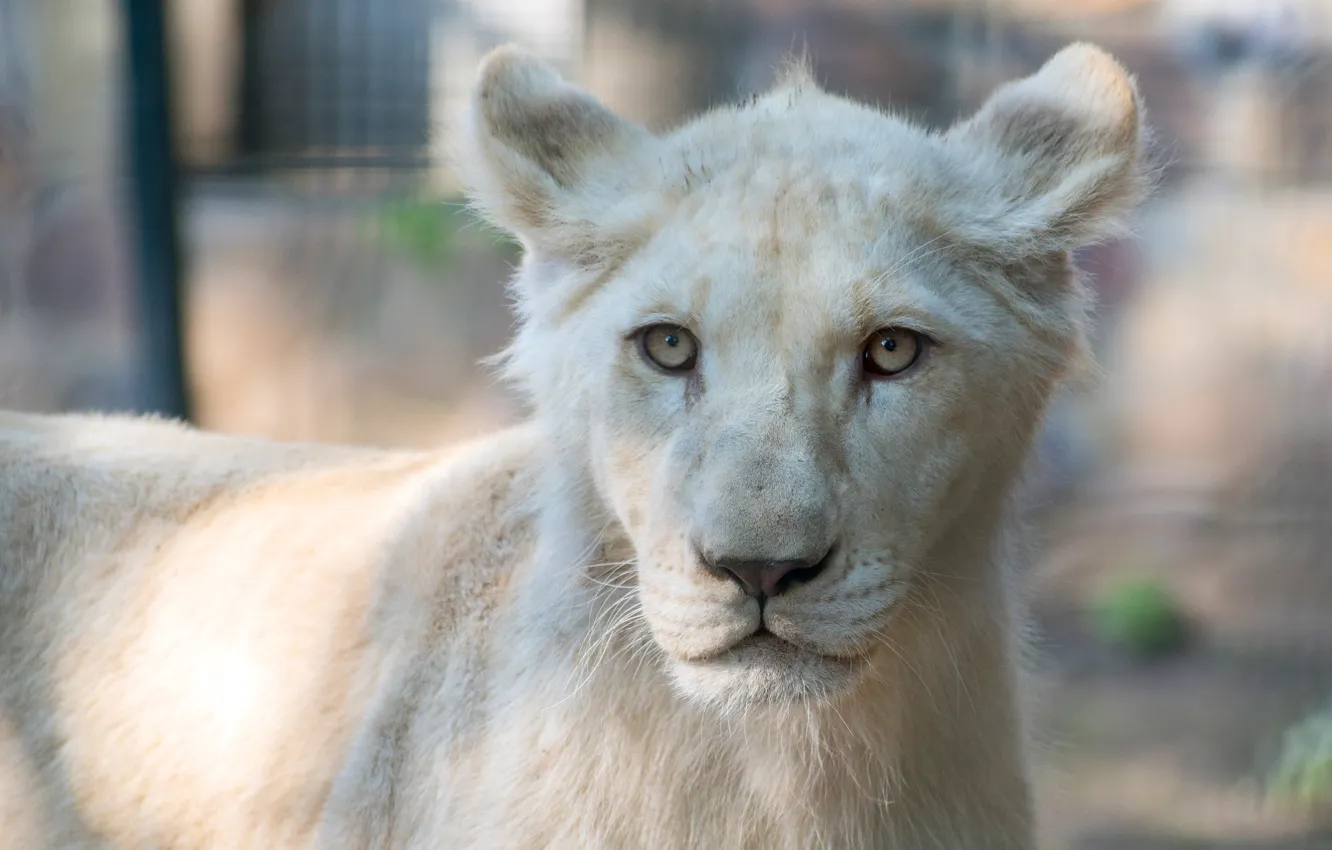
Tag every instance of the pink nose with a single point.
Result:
(765, 579)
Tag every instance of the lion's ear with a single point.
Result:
(543, 158)
(1054, 160)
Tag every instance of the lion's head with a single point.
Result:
(797, 344)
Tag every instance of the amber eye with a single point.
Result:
(669, 347)
(891, 351)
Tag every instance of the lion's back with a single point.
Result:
(79, 494)
(187, 621)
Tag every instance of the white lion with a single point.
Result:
(741, 582)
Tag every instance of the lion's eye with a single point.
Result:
(891, 351)
(669, 347)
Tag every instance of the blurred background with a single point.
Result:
(232, 210)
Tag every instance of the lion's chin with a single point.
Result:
(764, 670)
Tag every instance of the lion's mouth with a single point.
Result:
(764, 667)
(763, 637)
(776, 648)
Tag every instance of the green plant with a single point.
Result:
(1303, 770)
(1141, 616)
(434, 230)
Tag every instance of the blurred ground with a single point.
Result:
(1215, 477)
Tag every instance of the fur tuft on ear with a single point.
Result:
(1055, 160)
(543, 158)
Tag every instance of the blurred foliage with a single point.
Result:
(437, 231)
(1141, 616)
(1303, 771)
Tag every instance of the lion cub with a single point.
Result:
(741, 582)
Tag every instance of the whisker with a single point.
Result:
(892, 647)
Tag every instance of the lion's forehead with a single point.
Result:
(783, 262)
(783, 259)
(797, 201)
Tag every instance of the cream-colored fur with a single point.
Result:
(210, 641)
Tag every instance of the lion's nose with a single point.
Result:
(765, 579)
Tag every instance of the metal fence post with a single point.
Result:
(152, 171)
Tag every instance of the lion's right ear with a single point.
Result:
(545, 160)
(1056, 160)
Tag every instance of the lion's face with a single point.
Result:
(795, 343)
(791, 406)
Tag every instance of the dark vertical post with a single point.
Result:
(152, 168)
(250, 132)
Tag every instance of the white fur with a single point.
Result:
(207, 641)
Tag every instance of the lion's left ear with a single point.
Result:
(1053, 161)
(545, 160)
